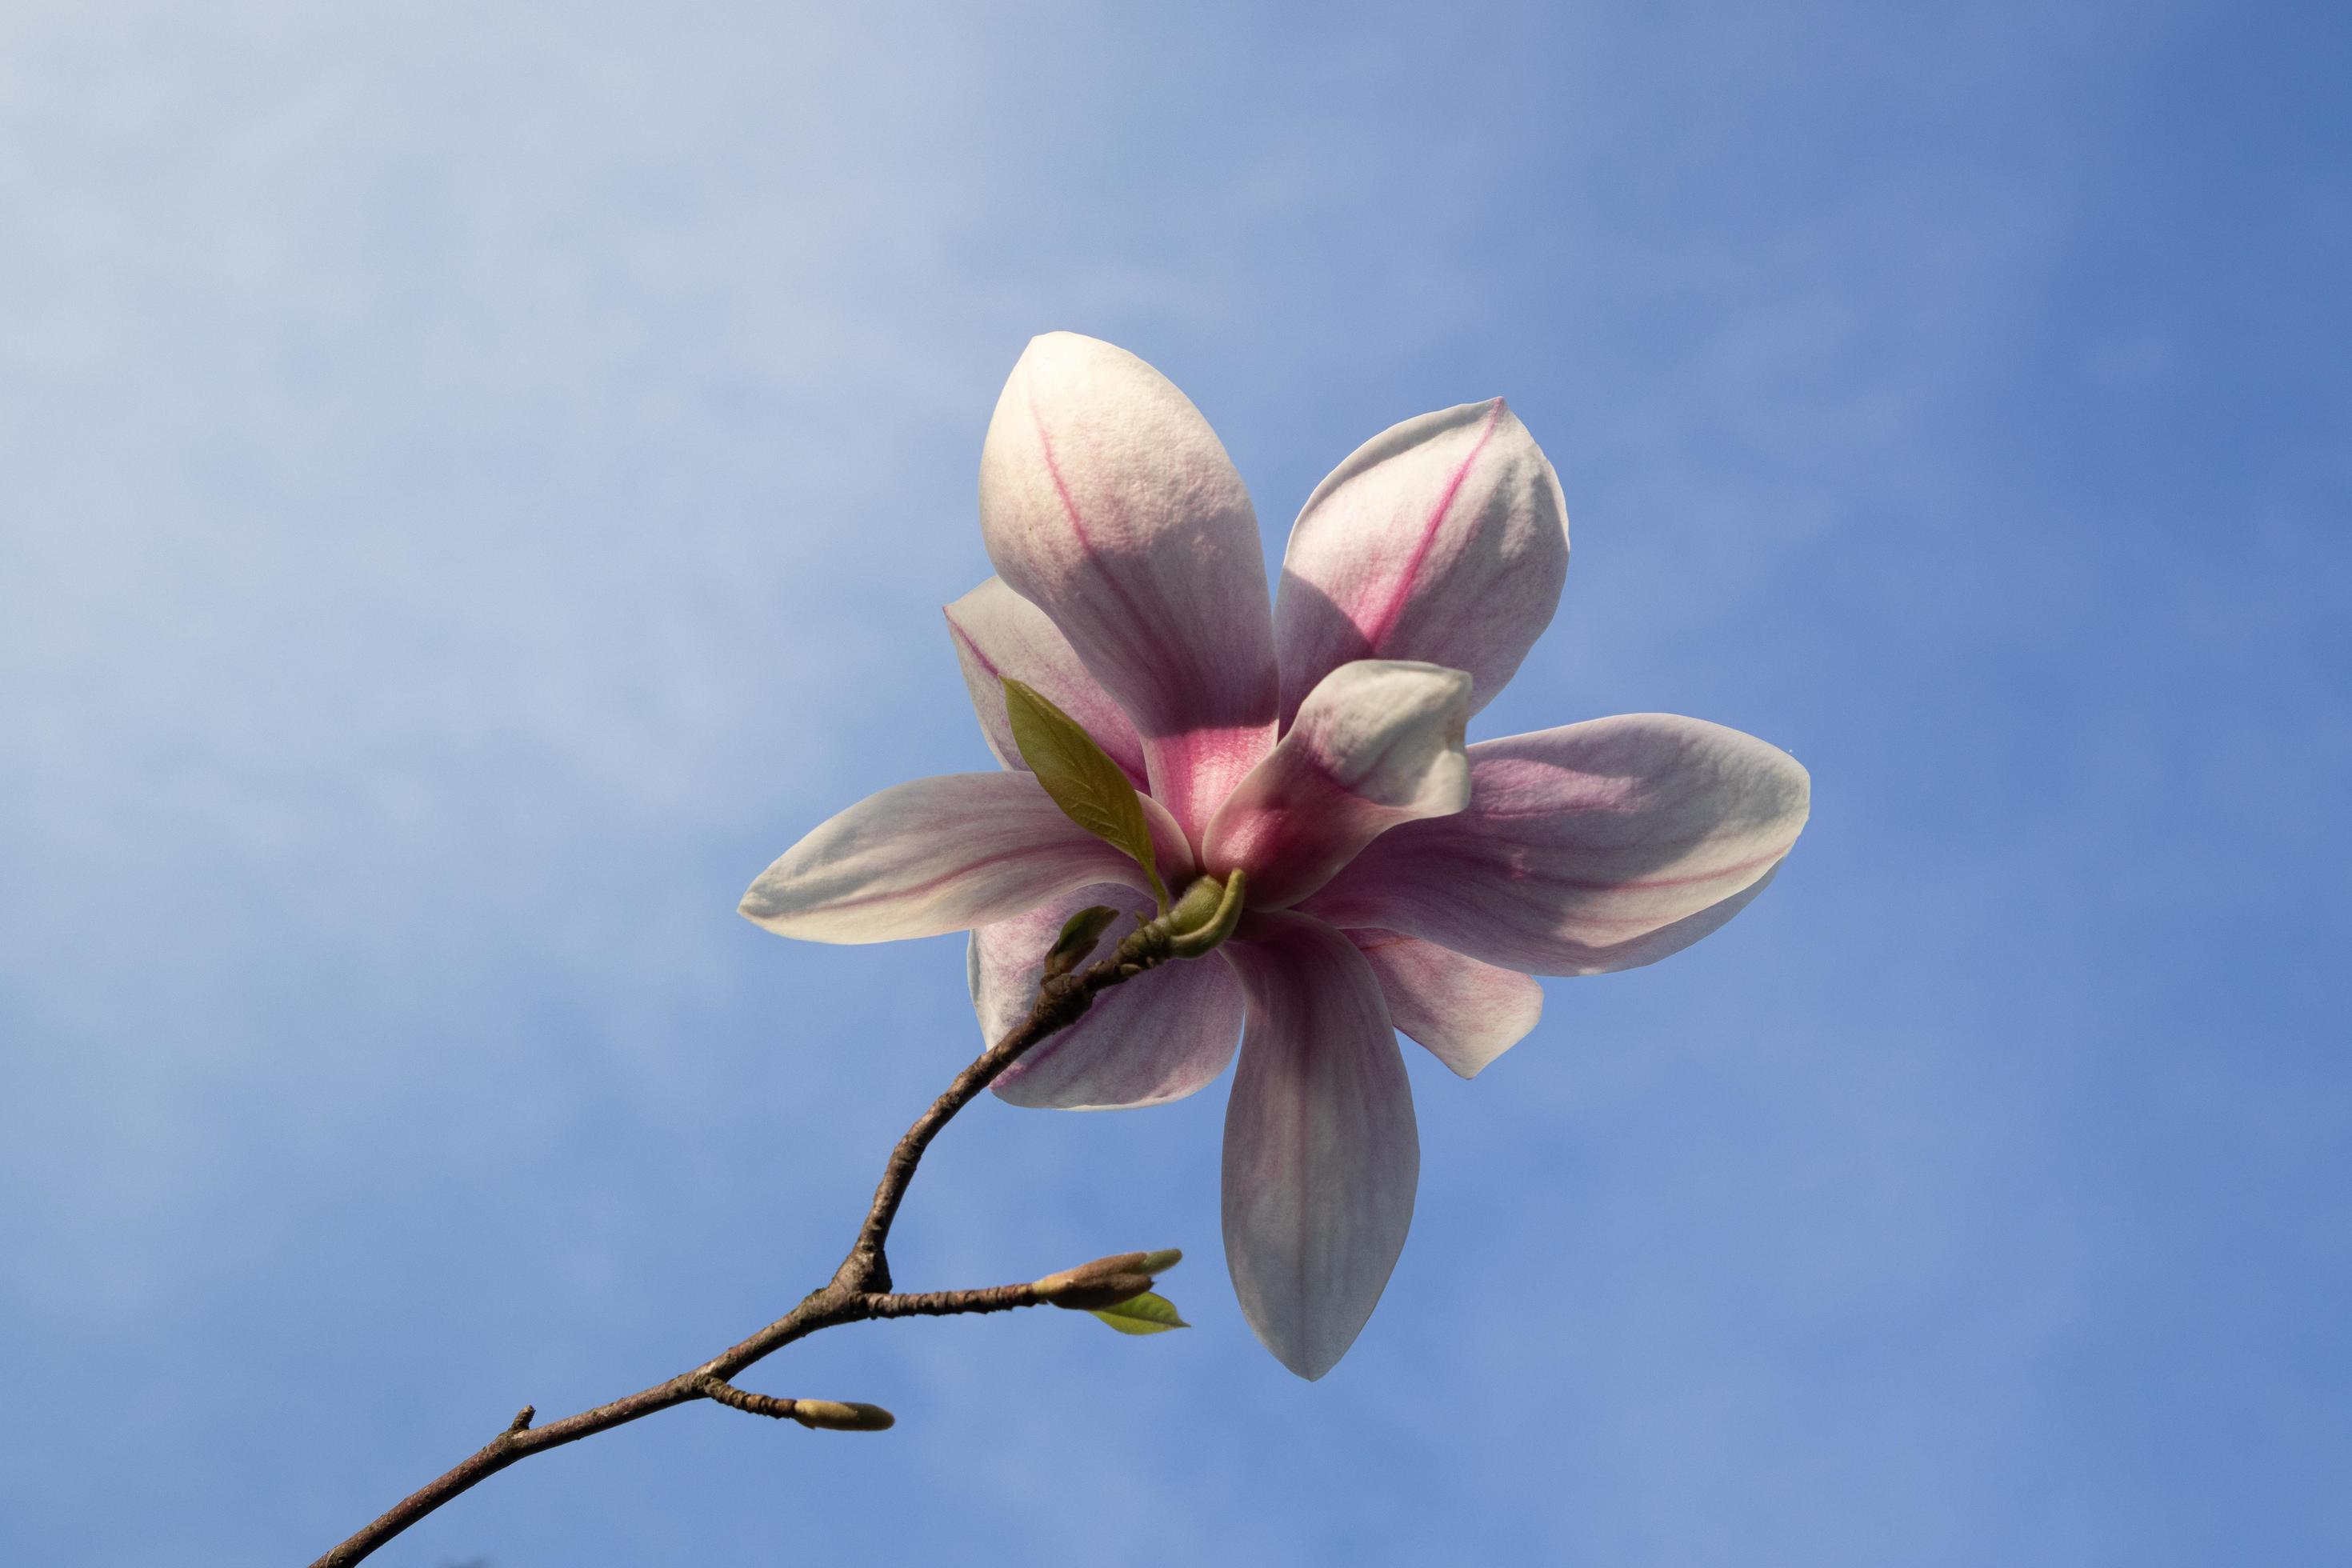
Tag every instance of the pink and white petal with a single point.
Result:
(1107, 501)
(1669, 940)
(1444, 539)
(1321, 1155)
(1158, 1038)
(1466, 1013)
(1377, 743)
(936, 855)
(997, 634)
(1592, 848)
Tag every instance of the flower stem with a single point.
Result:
(859, 1290)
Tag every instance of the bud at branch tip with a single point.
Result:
(838, 1415)
(1107, 1282)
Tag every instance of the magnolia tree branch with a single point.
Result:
(860, 1288)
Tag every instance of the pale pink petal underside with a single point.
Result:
(1321, 1155)
(936, 855)
(1466, 1013)
(997, 634)
(1157, 1037)
(1107, 501)
(1443, 540)
(1378, 744)
(1591, 847)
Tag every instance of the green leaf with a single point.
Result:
(1144, 1314)
(1079, 934)
(1080, 777)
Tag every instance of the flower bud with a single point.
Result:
(835, 1416)
(1107, 1282)
(1108, 1291)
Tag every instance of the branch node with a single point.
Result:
(523, 1418)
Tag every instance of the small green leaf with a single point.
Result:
(1082, 779)
(1079, 934)
(1144, 1314)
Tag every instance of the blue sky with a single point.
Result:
(474, 487)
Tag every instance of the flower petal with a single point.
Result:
(1591, 847)
(1321, 1155)
(1378, 743)
(939, 855)
(997, 633)
(1466, 1012)
(1158, 1038)
(1444, 539)
(1107, 501)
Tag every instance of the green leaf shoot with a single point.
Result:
(1144, 1314)
(1079, 934)
(1081, 778)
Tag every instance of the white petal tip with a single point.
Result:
(1068, 345)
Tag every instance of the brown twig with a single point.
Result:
(860, 1288)
(951, 1303)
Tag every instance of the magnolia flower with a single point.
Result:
(1395, 878)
